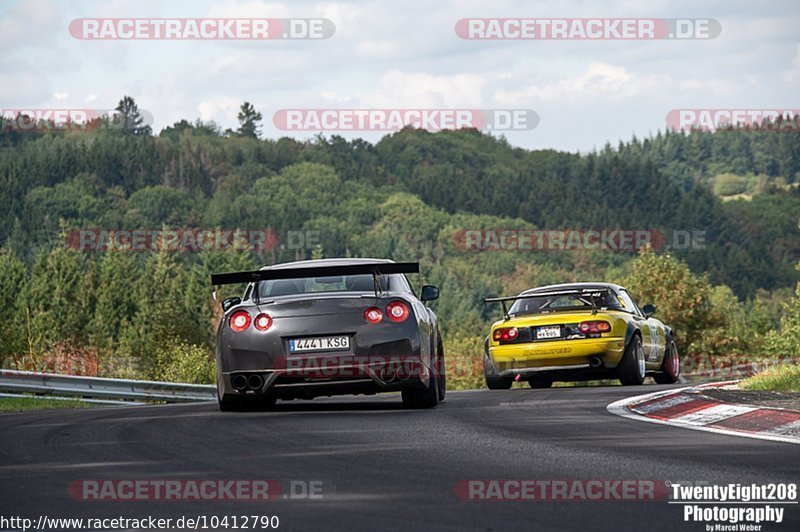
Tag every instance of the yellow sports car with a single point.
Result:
(577, 332)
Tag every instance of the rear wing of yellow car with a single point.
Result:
(591, 293)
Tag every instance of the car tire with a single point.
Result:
(417, 398)
(498, 383)
(227, 403)
(493, 381)
(262, 403)
(442, 372)
(230, 404)
(670, 370)
(540, 382)
(265, 402)
(631, 369)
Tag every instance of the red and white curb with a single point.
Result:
(690, 408)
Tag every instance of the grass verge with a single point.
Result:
(22, 403)
(783, 378)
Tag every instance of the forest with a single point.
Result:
(149, 313)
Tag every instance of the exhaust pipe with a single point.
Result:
(255, 382)
(595, 362)
(239, 382)
(388, 375)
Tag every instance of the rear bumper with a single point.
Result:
(307, 377)
(565, 356)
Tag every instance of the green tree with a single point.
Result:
(130, 119)
(786, 340)
(249, 121)
(60, 297)
(161, 315)
(116, 299)
(152, 206)
(58, 304)
(13, 280)
(683, 299)
(198, 301)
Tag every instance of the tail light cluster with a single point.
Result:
(241, 320)
(510, 334)
(396, 311)
(373, 315)
(505, 334)
(594, 327)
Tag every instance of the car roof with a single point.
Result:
(325, 262)
(572, 286)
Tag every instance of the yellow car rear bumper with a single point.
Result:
(556, 355)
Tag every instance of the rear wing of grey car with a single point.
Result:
(591, 293)
(376, 269)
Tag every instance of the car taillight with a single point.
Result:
(373, 315)
(594, 327)
(263, 322)
(240, 320)
(505, 333)
(397, 311)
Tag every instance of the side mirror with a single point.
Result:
(649, 310)
(429, 293)
(230, 302)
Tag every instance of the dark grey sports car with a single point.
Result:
(328, 327)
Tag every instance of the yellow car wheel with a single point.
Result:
(631, 369)
(498, 383)
(540, 382)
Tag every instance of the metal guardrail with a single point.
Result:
(98, 388)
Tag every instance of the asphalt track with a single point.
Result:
(382, 467)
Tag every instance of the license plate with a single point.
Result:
(324, 343)
(548, 331)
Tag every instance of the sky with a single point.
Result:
(407, 55)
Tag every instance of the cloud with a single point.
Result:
(603, 82)
(792, 75)
(419, 89)
(377, 48)
(390, 54)
(599, 81)
(30, 24)
(219, 109)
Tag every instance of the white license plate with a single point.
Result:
(324, 343)
(548, 331)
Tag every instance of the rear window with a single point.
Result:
(564, 303)
(341, 283)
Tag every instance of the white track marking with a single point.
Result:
(663, 404)
(714, 414)
(620, 408)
